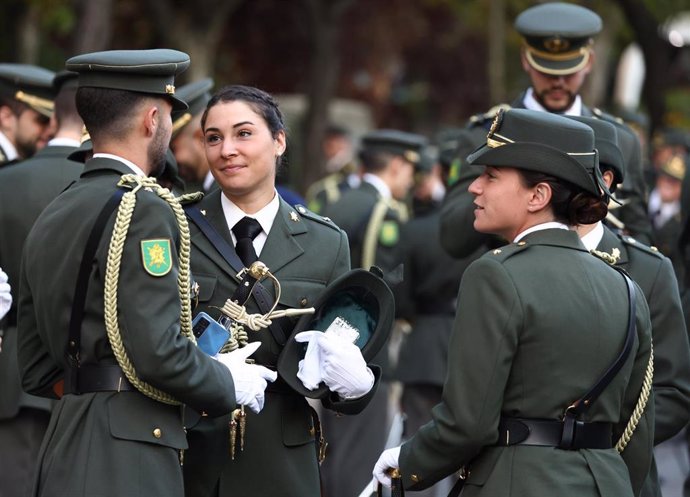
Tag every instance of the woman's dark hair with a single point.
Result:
(570, 204)
(261, 102)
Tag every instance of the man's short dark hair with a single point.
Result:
(107, 111)
(66, 107)
(373, 160)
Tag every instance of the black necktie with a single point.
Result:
(245, 231)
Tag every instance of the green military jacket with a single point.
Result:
(111, 443)
(537, 324)
(25, 189)
(654, 273)
(306, 253)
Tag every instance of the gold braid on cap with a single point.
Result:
(181, 122)
(42, 105)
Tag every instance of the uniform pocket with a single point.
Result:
(296, 421)
(300, 293)
(132, 416)
(207, 285)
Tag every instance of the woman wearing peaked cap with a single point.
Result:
(538, 323)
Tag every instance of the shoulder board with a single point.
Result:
(604, 116)
(481, 118)
(631, 242)
(190, 198)
(502, 253)
(307, 214)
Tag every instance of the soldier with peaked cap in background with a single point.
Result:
(654, 274)
(104, 317)
(527, 409)
(187, 141)
(371, 215)
(26, 104)
(426, 299)
(557, 55)
(342, 172)
(25, 189)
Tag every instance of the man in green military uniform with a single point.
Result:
(187, 141)
(26, 103)
(654, 274)
(26, 188)
(342, 171)
(557, 55)
(104, 304)
(372, 216)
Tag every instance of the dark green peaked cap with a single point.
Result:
(606, 143)
(407, 145)
(31, 85)
(542, 142)
(196, 95)
(558, 36)
(143, 71)
(65, 79)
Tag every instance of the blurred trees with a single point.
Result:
(418, 64)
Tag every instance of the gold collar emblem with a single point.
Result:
(293, 216)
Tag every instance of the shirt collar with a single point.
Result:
(137, 170)
(539, 227)
(265, 216)
(379, 184)
(63, 142)
(532, 104)
(8, 148)
(208, 181)
(592, 239)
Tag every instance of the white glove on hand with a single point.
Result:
(342, 367)
(5, 295)
(250, 379)
(387, 460)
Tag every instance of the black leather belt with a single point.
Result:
(99, 379)
(549, 433)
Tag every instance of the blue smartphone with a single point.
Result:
(210, 335)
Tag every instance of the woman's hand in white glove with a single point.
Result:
(343, 369)
(387, 460)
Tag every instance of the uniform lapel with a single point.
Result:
(282, 246)
(211, 207)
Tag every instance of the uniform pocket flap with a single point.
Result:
(299, 293)
(482, 466)
(296, 422)
(132, 416)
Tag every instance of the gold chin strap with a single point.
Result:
(583, 52)
(41, 105)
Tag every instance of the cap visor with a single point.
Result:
(557, 67)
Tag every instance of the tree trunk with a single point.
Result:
(324, 18)
(657, 56)
(496, 41)
(29, 35)
(94, 31)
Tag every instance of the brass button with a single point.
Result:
(157, 433)
(312, 431)
(522, 244)
(414, 478)
(303, 302)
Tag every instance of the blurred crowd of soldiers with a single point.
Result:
(398, 196)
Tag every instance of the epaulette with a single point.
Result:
(631, 242)
(604, 116)
(307, 214)
(190, 198)
(502, 253)
(482, 117)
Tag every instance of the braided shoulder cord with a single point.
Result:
(640, 406)
(112, 274)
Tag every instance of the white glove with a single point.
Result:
(250, 379)
(341, 365)
(387, 460)
(5, 295)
